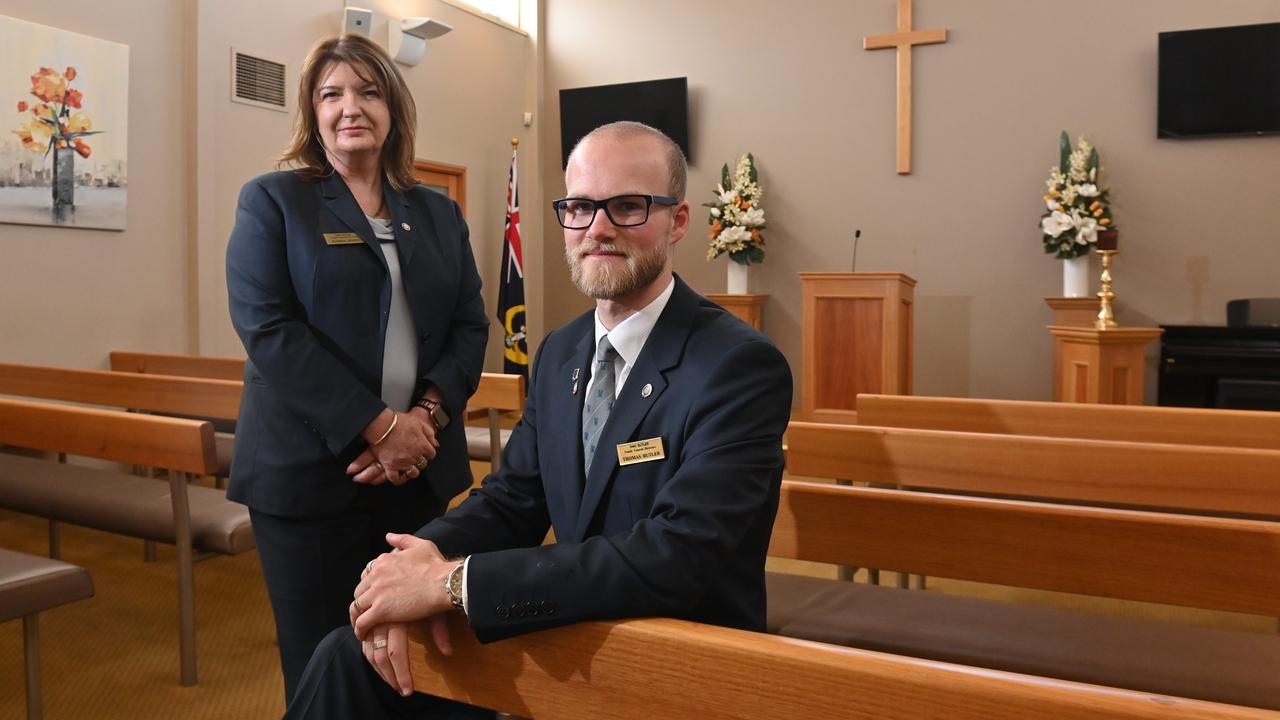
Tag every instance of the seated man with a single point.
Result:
(651, 442)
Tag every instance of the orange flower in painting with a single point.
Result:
(82, 148)
(48, 85)
(74, 98)
(71, 74)
(22, 106)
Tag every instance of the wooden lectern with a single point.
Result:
(857, 339)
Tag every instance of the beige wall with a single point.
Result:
(69, 296)
(790, 82)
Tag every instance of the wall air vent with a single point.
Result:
(257, 81)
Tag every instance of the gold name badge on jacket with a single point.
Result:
(342, 239)
(641, 451)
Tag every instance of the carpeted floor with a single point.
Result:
(115, 656)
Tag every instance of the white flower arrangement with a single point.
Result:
(1077, 208)
(736, 217)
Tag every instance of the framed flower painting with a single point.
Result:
(64, 127)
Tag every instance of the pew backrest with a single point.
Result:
(214, 368)
(499, 391)
(1104, 472)
(1189, 560)
(1136, 423)
(657, 667)
(197, 397)
(170, 443)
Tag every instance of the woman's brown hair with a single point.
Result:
(306, 152)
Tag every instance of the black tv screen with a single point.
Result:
(1219, 81)
(663, 104)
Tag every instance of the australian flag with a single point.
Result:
(511, 286)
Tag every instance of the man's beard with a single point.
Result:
(604, 281)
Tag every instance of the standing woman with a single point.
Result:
(356, 296)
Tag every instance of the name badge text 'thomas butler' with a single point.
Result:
(641, 451)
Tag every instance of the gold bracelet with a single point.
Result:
(394, 419)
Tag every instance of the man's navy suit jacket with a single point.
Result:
(310, 295)
(684, 536)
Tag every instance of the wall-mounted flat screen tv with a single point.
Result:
(1219, 81)
(663, 104)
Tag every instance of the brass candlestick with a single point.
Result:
(1106, 319)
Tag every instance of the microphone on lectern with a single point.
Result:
(856, 234)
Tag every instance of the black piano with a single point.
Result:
(1237, 366)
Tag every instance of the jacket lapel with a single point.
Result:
(662, 352)
(402, 223)
(570, 387)
(343, 204)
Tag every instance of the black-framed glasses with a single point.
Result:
(622, 210)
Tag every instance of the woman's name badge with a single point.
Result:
(342, 239)
(641, 451)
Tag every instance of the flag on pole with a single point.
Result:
(511, 283)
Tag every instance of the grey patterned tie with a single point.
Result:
(598, 403)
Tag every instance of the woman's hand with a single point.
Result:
(403, 452)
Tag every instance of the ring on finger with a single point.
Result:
(368, 566)
(356, 602)
(380, 466)
(379, 643)
(422, 463)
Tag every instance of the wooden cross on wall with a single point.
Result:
(903, 39)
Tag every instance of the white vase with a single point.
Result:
(738, 275)
(1075, 277)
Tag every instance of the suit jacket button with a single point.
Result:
(502, 611)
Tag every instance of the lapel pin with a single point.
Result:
(575, 382)
(646, 391)
(405, 226)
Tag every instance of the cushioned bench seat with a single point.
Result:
(478, 442)
(1216, 665)
(31, 584)
(121, 503)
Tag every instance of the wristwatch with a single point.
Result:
(436, 411)
(453, 585)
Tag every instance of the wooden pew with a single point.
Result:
(219, 399)
(190, 518)
(497, 393)
(661, 667)
(214, 368)
(1203, 562)
(642, 669)
(1100, 472)
(190, 397)
(1136, 423)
